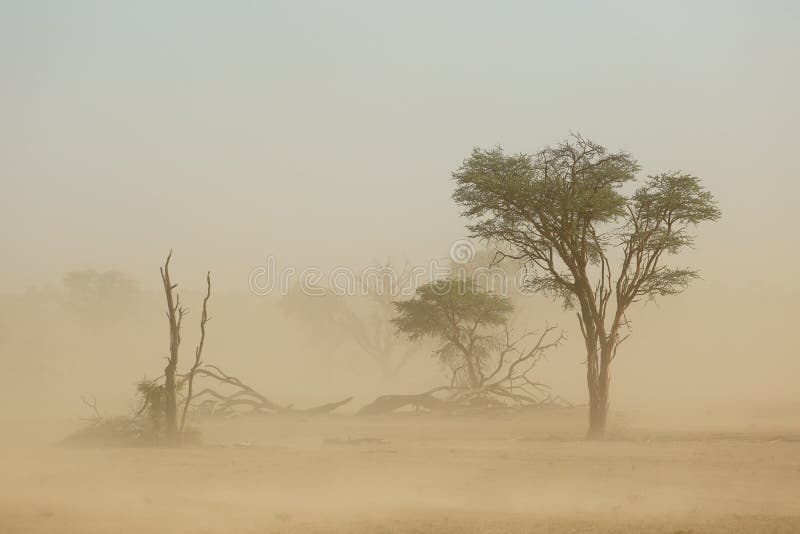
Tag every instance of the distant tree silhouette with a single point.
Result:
(100, 295)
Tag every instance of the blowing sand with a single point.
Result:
(418, 473)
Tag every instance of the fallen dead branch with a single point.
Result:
(227, 395)
(459, 402)
(326, 408)
(391, 403)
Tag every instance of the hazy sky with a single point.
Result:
(326, 132)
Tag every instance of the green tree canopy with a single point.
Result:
(459, 313)
(563, 212)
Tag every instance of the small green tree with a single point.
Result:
(486, 362)
(562, 212)
(461, 315)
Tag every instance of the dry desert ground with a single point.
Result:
(421, 473)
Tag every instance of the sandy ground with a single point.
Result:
(412, 473)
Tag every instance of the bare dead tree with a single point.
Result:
(161, 396)
(175, 314)
(198, 353)
(91, 402)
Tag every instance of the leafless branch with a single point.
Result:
(198, 353)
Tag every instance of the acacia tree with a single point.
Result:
(457, 312)
(485, 360)
(563, 213)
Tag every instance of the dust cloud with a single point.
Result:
(703, 436)
(289, 149)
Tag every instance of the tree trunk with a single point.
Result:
(174, 315)
(170, 387)
(473, 375)
(599, 382)
(598, 412)
(170, 403)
